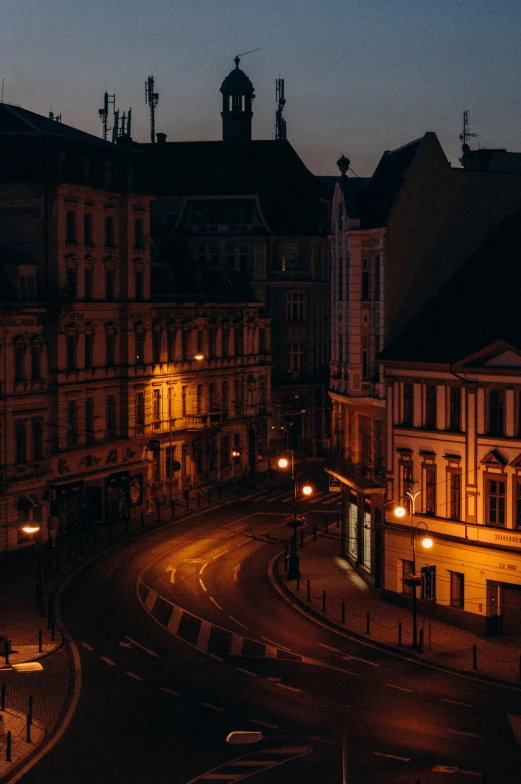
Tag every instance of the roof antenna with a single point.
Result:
(280, 122)
(236, 59)
(466, 134)
(104, 113)
(152, 99)
(56, 117)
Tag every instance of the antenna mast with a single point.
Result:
(104, 113)
(152, 99)
(466, 134)
(280, 122)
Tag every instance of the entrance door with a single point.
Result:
(493, 607)
(511, 611)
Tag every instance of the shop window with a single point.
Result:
(496, 412)
(408, 405)
(457, 589)
(454, 481)
(20, 436)
(495, 498)
(455, 409)
(430, 406)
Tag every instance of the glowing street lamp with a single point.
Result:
(199, 357)
(294, 560)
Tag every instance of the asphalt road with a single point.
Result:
(183, 639)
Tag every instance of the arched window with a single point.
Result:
(20, 437)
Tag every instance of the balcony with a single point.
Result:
(360, 476)
(203, 420)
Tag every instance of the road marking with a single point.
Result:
(214, 656)
(468, 734)
(108, 661)
(391, 756)
(471, 773)
(216, 603)
(236, 573)
(125, 644)
(274, 678)
(219, 555)
(276, 644)
(175, 620)
(264, 724)
(251, 763)
(87, 646)
(138, 645)
(203, 567)
(455, 702)
(203, 586)
(169, 691)
(203, 636)
(289, 688)
(445, 769)
(316, 737)
(329, 647)
(222, 777)
(515, 723)
(400, 688)
(348, 657)
(237, 622)
(247, 672)
(212, 707)
(171, 569)
(133, 675)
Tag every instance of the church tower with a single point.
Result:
(238, 96)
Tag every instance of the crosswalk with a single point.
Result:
(276, 495)
(244, 767)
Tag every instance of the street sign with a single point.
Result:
(335, 484)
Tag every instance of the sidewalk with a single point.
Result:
(329, 581)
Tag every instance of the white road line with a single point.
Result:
(237, 622)
(214, 656)
(204, 635)
(203, 567)
(212, 707)
(274, 678)
(289, 688)
(247, 672)
(87, 646)
(400, 688)
(348, 657)
(171, 569)
(329, 647)
(203, 586)
(455, 702)
(236, 571)
(264, 724)
(468, 734)
(108, 661)
(219, 555)
(169, 691)
(276, 644)
(391, 756)
(216, 603)
(470, 773)
(125, 644)
(138, 645)
(133, 675)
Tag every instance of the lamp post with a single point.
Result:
(414, 580)
(294, 560)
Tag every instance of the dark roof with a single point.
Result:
(289, 193)
(327, 185)
(478, 307)
(351, 187)
(16, 121)
(378, 198)
(237, 81)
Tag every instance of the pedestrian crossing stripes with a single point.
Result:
(206, 636)
(244, 767)
(276, 495)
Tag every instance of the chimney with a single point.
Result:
(161, 138)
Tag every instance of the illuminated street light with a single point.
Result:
(307, 490)
(283, 462)
(199, 357)
(30, 528)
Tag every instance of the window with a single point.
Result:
(36, 363)
(225, 342)
(140, 285)
(157, 409)
(71, 282)
(169, 461)
(183, 401)
(340, 357)
(406, 480)
(430, 490)
(296, 354)
(87, 229)
(212, 342)
(226, 397)
(140, 346)
(89, 420)
(71, 344)
(200, 341)
(454, 481)
(109, 231)
(185, 343)
(89, 350)
(231, 256)
(238, 396)
(295, 306)
(140, 409)
(365, 279)
(455, 409)
(262, 341)
(495, 497)
(89, 283)
(111, 417)
(243, 258)
(19, 363)
(408, 405)
(20, 436)
(110, 284)
(457, 589)
(72, 422)
(170, 344)
(37, 439)
(238, 340)
(110, 349)
(365, 357)
(496, 412)
(156, 468)
(139, 234)
(212, 396)
(27, 287)
(199, 398)
(377, 279)
(214, 255)
(430, 406)
(156, 345)
(225, 451)
(70, 226)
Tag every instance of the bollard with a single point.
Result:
(301, 538)
(2, 697)
(8, 747)
(327, 524)
(28, 729)
(6, 650)
(343, 611)
(30, 709)
(314, 532)
(324, 600)
(399, 633)
(420, 642)
(474, 657)
(368, 623)
(39, 640)
(309, 596)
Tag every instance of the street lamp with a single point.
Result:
(414, 580)
(294, 560)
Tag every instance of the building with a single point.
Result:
(394, 243)
(250, 210)
(453, 381)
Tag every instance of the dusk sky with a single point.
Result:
(361, 76)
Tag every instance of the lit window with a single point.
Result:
(495, 501)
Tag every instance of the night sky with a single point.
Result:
(361, 76)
